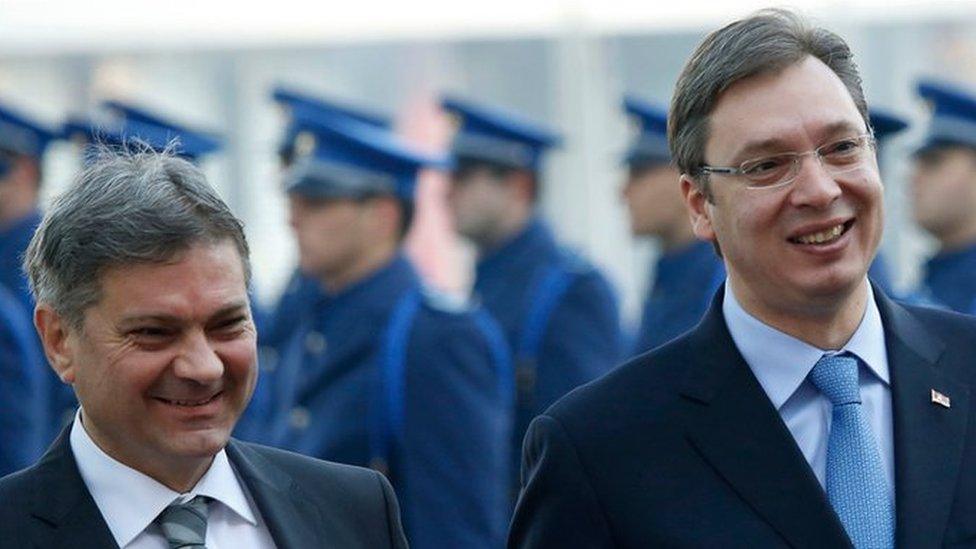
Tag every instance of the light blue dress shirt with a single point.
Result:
(781, 363)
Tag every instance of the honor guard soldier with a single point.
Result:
(558, 312)
(944, 195)
(25, 379)
(23, 142)
(303, 113)
(381, 371)
(301, 109)
(688, 270)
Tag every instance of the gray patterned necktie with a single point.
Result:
(185, 524)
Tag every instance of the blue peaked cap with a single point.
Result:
(127, 123)
(306, 111)
(349, 159)
(22, 135)
(953, 119)
(650, 145)
(885, 124)
(495, 136)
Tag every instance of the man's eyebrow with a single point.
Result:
(775, 145)
(237, 307)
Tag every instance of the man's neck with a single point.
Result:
(504, 232)
(827, 324)
(178, 475)
(959, 237)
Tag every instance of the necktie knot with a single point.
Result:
(836, 377)
(185, 524)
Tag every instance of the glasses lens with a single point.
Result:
(769, 171)
(845, 154)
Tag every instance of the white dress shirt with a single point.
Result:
(129, 500)
(782, 363)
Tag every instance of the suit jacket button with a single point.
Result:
(300, 417)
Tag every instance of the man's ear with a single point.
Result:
(54, 332)
(697, 205)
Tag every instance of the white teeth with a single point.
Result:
(189, 402)
(822, 236)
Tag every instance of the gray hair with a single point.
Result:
(766, 42)
(129, 205)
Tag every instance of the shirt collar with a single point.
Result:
(782, 362)
(130, 500)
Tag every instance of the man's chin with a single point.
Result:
(199, 443)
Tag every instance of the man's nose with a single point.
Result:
(199, 361)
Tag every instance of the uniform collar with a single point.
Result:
(782, 362)
(381, 286)
(534, 239)
(675, 263)
(130, 500)
(950, 259)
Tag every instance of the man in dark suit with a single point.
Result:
(140, 273)
(806, 409)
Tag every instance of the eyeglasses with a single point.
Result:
(838, 157)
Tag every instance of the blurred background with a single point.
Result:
(211, 64)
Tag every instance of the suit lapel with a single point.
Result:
(65, 513)
(286, 512)
(738, 431)
(929, 438)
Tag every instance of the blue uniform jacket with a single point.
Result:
(950, 280)
(13, 243)
(563, 331)
(684, 282)
(275, 328)
(60, 398)
(441, 432)
(23, 415)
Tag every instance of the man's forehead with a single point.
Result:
(202, 270)
(805, 101)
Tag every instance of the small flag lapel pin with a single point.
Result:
(940, 399)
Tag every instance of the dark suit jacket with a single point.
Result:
(681, 447)
(305, 502)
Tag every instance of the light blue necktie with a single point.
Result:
(856, 483)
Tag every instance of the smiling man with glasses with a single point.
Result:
(806, 409)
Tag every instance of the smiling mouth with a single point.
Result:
(826, 236)
(189, 403)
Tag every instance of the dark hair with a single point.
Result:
(768, 41)
(129, 205)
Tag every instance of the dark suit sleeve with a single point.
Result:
(397, 538)
(558, 506)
